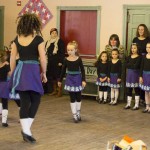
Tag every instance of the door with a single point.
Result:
(1, 27)
(81, 26)
(136, 17)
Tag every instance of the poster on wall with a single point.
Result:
(38, 7)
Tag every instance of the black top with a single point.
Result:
(145, 65)
(29, 52)
(141, 44)
(73, 66)
(3, 72)
(115, 68)
(133, 63)
(102, 68)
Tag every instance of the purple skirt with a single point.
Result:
(146, 81)
(4, 89)
(113, 81)
(73, 83)
(132, 79)
(98, 82)
(30, 79)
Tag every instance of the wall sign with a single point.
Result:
(18, 3)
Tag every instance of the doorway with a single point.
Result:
(134, 15)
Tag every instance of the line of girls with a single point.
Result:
(137, 67)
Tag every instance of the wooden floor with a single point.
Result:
(54, 129)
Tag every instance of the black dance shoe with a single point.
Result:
(145, 111)
(4, 124)
(28, 138)
(100, 101)
(127, 107)
(79, 117)
(104, 102)
(135, 108)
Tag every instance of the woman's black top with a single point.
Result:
(141, 44)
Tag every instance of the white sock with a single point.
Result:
(147, 100)
(112, 94)
(25, 126)
(100, 95)
(105, 96)
(137, 100)
(78, 107)
(4, 115)
(30, 120)
(129, 99)
(116, 95)
(73, 109)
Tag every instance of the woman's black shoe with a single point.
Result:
(28, 138)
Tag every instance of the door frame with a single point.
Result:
(125, 18)
(2, 27)
(96, 8)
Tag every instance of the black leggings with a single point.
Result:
(17, 102)
(4, 103)
(129, 91)
(29, 101)
(103, 88)
(75, 97)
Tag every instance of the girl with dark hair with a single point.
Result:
(114, 43)
(75, 79)
(133, 63)
(114, 76)
(27, 75)
(102, 73)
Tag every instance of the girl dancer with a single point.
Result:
(102, 72)
(114, 78)
(133, 63)
(145, 78)
(27, 77)
(4, 89)
(75, 79)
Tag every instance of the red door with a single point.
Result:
(80, 25)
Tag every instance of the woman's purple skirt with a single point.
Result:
(98, 82)
(113, 81)
(146, 81)
(30, 79)
(4, 89)
(132, 79)
(73, 83)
